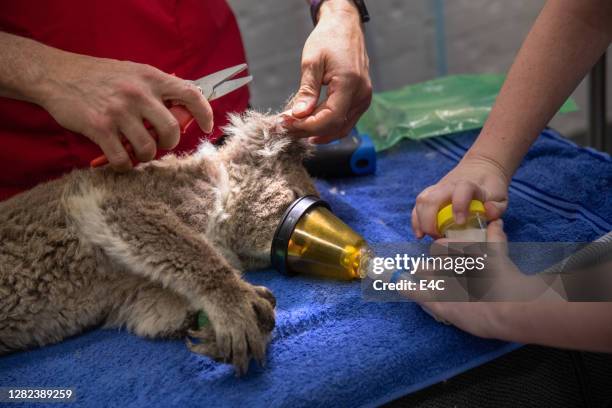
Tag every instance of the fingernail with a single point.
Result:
(300, 107)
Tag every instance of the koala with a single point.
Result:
(148, 249)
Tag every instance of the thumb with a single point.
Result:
(497, 239)
(495, 209)
(495, 231)
(310, 88)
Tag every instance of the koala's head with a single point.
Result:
(266, 174)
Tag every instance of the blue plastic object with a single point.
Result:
(363, 159)
(353, 155)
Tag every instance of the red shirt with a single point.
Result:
(190, 38)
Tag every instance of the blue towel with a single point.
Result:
(330, 347)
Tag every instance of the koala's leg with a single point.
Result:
(153, 311)
(150, 241)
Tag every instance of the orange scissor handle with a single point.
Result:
(182, 115)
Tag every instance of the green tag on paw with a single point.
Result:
(202, 319)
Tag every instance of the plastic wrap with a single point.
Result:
(441, 106)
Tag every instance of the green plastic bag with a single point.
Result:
(438, 107)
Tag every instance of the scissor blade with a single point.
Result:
(214, 79)
(228, 87)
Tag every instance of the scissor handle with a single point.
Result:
(182, 115)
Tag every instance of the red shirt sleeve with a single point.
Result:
(190, 38)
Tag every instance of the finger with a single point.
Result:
(187, 94)
(428, 204)
(415, 224)
(440, 247)
(164, 123)
(307, 96)
(353, 116)
(283, 123)
(325, 123)
(429, 307)
(320, 139)
(141, 140)
(416, 295)
(330, 138)
(495, 209)
(117, 156)
(331, 117)
(463, 194)
(495, 231)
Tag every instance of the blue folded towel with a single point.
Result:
(330, 347)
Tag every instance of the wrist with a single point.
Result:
(503, 323)
(63, 73)
(332, 8)
(46, 83)
(42, 91)
(483, 158)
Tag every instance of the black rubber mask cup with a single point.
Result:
(293, 214)
(311, 241)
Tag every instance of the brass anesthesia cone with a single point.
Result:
(311, 240)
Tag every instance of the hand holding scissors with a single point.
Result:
(213, 86)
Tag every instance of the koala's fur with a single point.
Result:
(147, 249)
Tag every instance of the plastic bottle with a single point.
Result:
(473, 230)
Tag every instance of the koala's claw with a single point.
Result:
(242, 323)
(266, 294)
(206, 345)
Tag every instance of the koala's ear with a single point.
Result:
(254, 136)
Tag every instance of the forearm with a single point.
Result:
(566, 40)
(24, 65)
(579, 326)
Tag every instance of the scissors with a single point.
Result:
(213, 86)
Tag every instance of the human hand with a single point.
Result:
(530, 311)
(483, 318)
(334, 55)
(475, 177)
(106, 100)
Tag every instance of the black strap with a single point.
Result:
(315, 5)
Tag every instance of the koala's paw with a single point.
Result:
(242, 322)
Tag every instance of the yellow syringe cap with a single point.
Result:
(446, 217)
